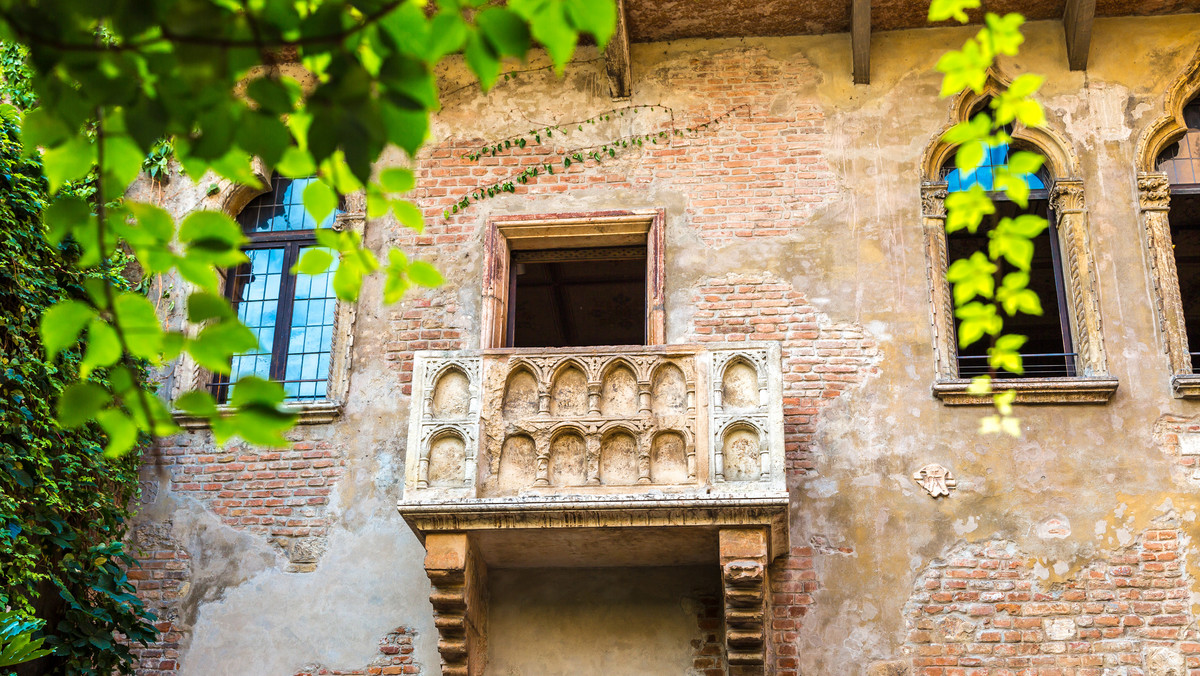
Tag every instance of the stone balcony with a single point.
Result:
(581, 457)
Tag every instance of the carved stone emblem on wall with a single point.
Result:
(936, 479)
(1165, 662)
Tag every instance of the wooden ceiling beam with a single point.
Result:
(616, 58)
(1077, 22)
(860, 39)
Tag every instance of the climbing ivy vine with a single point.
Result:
(566, 155)
(984, 293)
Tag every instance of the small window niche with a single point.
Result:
(574, 280)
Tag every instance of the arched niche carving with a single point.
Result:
(619, 389)
(619, 457)
(1092, 382)
(451, 394)
(520, 393)
(518, 464)
(742, 453)
(569, 390)
(447, 459)
(1154, 203)
(568, 458)
(669, 458)
(668, 390)
(740, 385)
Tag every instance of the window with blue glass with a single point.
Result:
(292, 315)
(1048, 352)
(1181, 164)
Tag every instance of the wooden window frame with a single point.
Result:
(506, 234)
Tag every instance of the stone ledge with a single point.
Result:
(655, 515)
(1186, 386)
(1031, 391)
(309, 413)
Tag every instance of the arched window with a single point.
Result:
(1048, 351)
(292, 315)
(1181, 165)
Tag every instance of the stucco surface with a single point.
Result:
(597, 621)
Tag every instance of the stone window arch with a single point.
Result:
(1168, 164)
(1087, 379)
(319, 402)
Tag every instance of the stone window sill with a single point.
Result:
(1186, 386)
(308, 413)
(1033, 391)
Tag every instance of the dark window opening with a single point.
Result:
(1048, 350)
(578, 297)
(1185, 236)
(267, 297)
(1181, 162)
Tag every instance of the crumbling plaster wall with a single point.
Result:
(812, 184)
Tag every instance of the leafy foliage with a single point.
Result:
(62, 504)
(17, 644)
(984, 292)
(115, 78)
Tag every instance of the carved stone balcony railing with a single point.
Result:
(661, 455)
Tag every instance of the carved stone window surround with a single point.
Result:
(1154, 203)
(505, 234)
(1094, 384)
(191, 376)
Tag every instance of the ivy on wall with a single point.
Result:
(63, 505)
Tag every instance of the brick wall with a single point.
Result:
(983, 611)
(754, 172)
(710, 650)
(281, 494)
(395, 657)
(420, 324)
(821, 360)
(159, 580)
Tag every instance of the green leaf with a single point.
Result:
(203, 306)
(122, 433)
(122, 158)
(966, 209)
(1025, 162)
(320, 200)
(66, 215)
(965, 68)
(198, 403)
(396, 277)
(70, 161)
(62, 324)
(397, 179)
(972, 277)
(507, 32)
(941, 10)
(408, 214)
(213, 347)
(598, 17)
(296, 163)
(80, 402)
(1005, 32)
(103, 347)
(140, 326)
(424, 274)
(482, 60)
(978, 319)
(315, 261)
(214, 236)
(969, 156)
